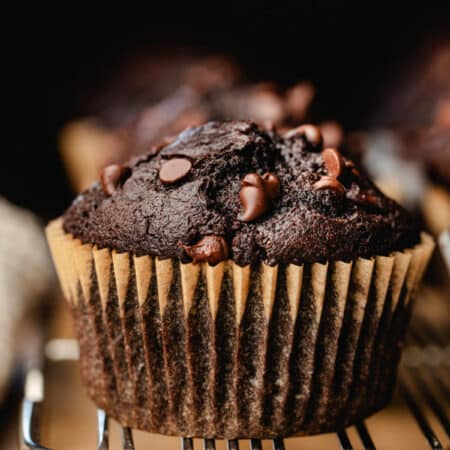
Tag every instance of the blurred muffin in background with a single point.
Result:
(408, 149)
(26, 277)
(157, 96)
(109, 117)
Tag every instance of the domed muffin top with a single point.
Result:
(233, 190)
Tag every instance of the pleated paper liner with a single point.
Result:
(230, 351)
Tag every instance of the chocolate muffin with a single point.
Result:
(408, 149)
(238, 283)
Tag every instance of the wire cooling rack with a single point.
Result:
(424, 380)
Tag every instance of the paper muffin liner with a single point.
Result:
(237, 352)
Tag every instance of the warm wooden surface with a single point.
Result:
(70, 422)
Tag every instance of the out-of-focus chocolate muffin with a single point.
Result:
(155, 98)
(419, 110)
(264, 103)
(148, 77)
(238, 283)
(412, 130)
(108, 124)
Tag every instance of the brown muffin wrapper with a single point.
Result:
(230, 351)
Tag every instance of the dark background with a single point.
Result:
(349, 52)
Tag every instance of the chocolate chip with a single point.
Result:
(309, 133)
(271, 185)
(253, 179)
(111, 176)
(333, 162)
(254, 201)
(174, 170)
(211, 249)
(257, 194)
(327, 182)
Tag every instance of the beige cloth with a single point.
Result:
(26, 275)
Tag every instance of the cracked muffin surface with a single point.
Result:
(268, 197)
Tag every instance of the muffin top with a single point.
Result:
(233, 190)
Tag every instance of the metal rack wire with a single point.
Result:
(209, 444)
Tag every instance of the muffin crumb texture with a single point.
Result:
(252, 195)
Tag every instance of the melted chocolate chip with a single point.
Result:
(111, 176)
(253, 179)
(254, 201)
(271, 185)
(257, 194)
(174, 170)
(309, 133)
(327, 182)
(211, 249)
(333, 162)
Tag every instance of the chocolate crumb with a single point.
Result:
(333, 162)
(327, 182)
